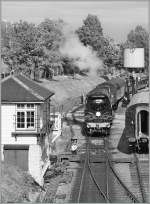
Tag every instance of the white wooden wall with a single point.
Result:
(37, 167)
(8, 126)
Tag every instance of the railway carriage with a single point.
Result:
(138, 83)
(136, 128)
(142, 82)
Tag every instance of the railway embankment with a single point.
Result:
(68, 90)
(17, 186)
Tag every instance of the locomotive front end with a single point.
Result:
(98, 115)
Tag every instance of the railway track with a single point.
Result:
(139, 168)
(136, 177)
(103, 179)
(92, 171)
(97, 179)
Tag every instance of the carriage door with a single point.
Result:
(143, 123)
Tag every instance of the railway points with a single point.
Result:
(124, 187)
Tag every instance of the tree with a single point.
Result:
(51, 63)
(112, 53)
(5, 34)
(33, 48)
(69, 66)
(49, 38)
(22, 54)
(91, 33)
(50, 34)
(139, 38)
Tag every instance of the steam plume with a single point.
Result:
(83, 56)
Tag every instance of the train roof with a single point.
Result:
(114, 84)
(96, 91)
(140, 98)
(117, 81)
(103, 85)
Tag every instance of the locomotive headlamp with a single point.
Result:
(98, 114)
(98, 101)
(132, 122)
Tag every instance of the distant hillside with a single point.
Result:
(68, 88)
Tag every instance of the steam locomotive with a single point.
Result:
(100, 103)
(104, 99)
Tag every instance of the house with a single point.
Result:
(26, 125)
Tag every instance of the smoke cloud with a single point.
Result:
(83, 56)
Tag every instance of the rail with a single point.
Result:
(139, 178)
(109, 164)
(98, 187)
(102, 193)
(82, 179)
(87, 164)
(130, 194)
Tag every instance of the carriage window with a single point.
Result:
(143, 121)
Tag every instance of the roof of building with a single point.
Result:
(140, 98)
(22, 89)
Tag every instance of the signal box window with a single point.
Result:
(25, 116)
(20, 120)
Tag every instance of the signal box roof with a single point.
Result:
(22, 89)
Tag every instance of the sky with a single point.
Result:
(117, 17)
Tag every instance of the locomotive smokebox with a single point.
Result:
(134, 58)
